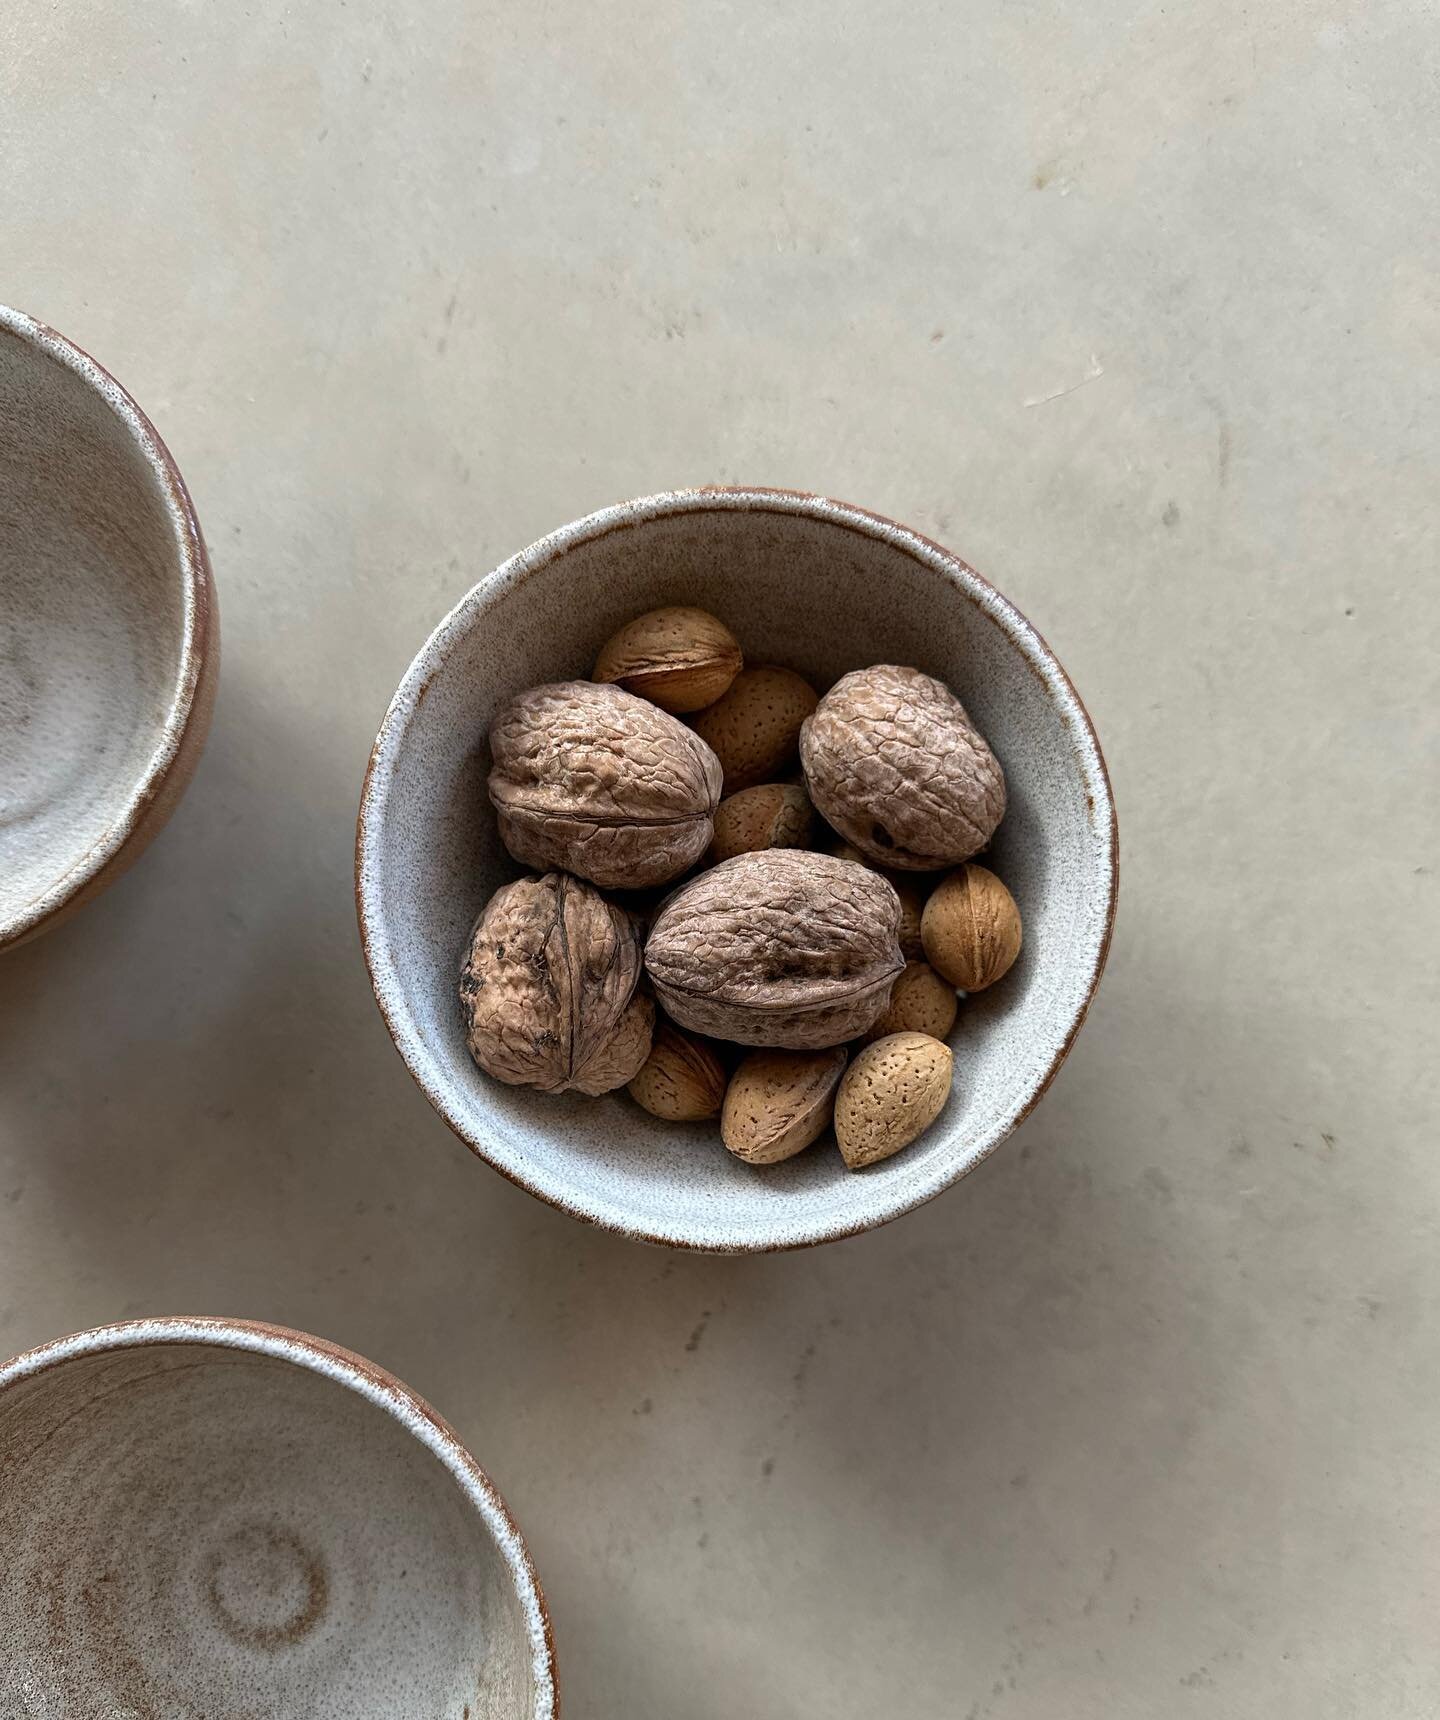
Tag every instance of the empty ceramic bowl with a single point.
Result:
(108, 639)
(211, 1520)
(824, 588)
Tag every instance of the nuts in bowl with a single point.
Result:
(695, 1097)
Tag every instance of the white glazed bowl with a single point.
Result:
(208, 1518)
(109, 644)
(822, 587)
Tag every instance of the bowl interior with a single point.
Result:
(197, 1530)
(823, 589)
(92, 619)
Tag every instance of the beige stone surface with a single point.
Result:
(1135, 305)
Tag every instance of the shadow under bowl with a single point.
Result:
(823, 588)
(109, 642)
(213, 1518)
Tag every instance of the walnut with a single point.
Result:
(911, 892)
(777, 948)
(548, 988)
(679, 659)
(893, 762)
(595, 781)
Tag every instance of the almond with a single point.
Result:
(755, 727)
(890, 1095)
(680, 659)
(774, 815)
(922, 1002)
(778, 1102)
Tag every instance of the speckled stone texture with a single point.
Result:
(205, 1523)
(796, 579)
(107, 629)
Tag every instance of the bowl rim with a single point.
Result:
(372, 1382)
(620, 516)
(198, 644)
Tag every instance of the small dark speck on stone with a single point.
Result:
(1350, 611)
(1021, 1478)
(1329, 1140)
(692, 1343)
(767, 1468)
(1171, 516)
(998, 1687)
(644, 1406)
(703, 1541)
(937, 337)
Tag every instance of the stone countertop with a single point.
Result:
(1132, 305)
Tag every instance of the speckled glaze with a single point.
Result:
(820, 586)
(109, 644)
(213, 1520)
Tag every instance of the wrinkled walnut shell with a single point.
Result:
(911, 892)
(548, 989)
(590, 779)
(893, 762)
(779, 948)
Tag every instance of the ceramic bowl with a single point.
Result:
(822, 587)
(108, 639)
(207, 1518)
